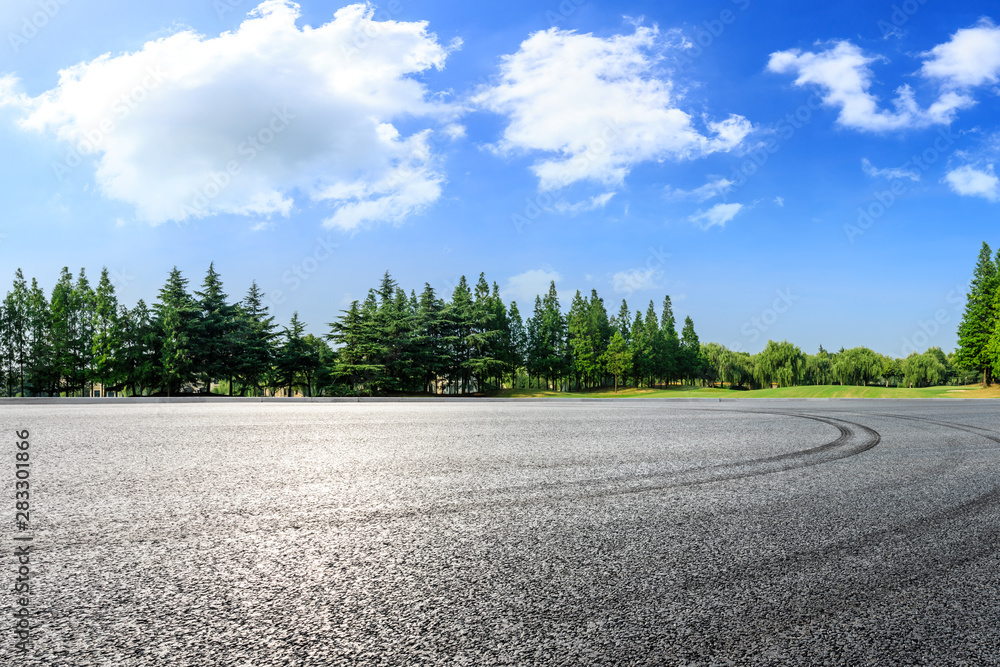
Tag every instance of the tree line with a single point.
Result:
(80, 337)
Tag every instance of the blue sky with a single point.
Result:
(816, 172)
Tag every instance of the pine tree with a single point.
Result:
(518, 341)
(639, 347)
(690, 351)
(139, 363)
(581, 355)
(431, 355)
(669, 362)
(257, 330)
(617, 359)
(17, 334)
(83, 316)
(359, 350)
(600, 330)
(553, 331)
(214, 339)
(461, 318)
(979, 319)
(63, 332)
(623, 322)
(177, 319)
(107, 340)
(296, 360)
(41, 370)
(536, 351)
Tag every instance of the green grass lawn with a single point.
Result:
(822, 391)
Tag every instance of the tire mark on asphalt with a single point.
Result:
(885, 563)
(854, 439)
(849, 443)
(909, 531)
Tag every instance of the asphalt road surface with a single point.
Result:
(599, 532)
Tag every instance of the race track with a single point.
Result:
(536, 532)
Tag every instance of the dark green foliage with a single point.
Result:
(177, 320)
(979, 319)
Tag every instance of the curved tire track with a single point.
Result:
(909, 532)
(854, 439)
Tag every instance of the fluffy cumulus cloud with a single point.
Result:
(843, 73)
(597, 107)
(191, 126)
(524, 287)
(973, 182)
(970, 58)
(718, 215)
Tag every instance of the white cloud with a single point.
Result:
(594, 203)
(702, 193)
(524, 287)
(843, 73)
(780, 201)
(970, 58)
(627, 282)
(295, 111)
(598, 107)
(890, 172)
(719, 215)
(454, 131)
(972, 182)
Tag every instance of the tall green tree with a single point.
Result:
(139, 361)
(107, 337)
(670, 362)
(297, 360)
(518, 341)
(212, 336)
(17, 334)
(258, 332)
(979, 319)
(176, 316)
(690, 352)
(359, 350)
(42, 369)
(617, 359)
(83, 303)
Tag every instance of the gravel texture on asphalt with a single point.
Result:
(562, 533)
